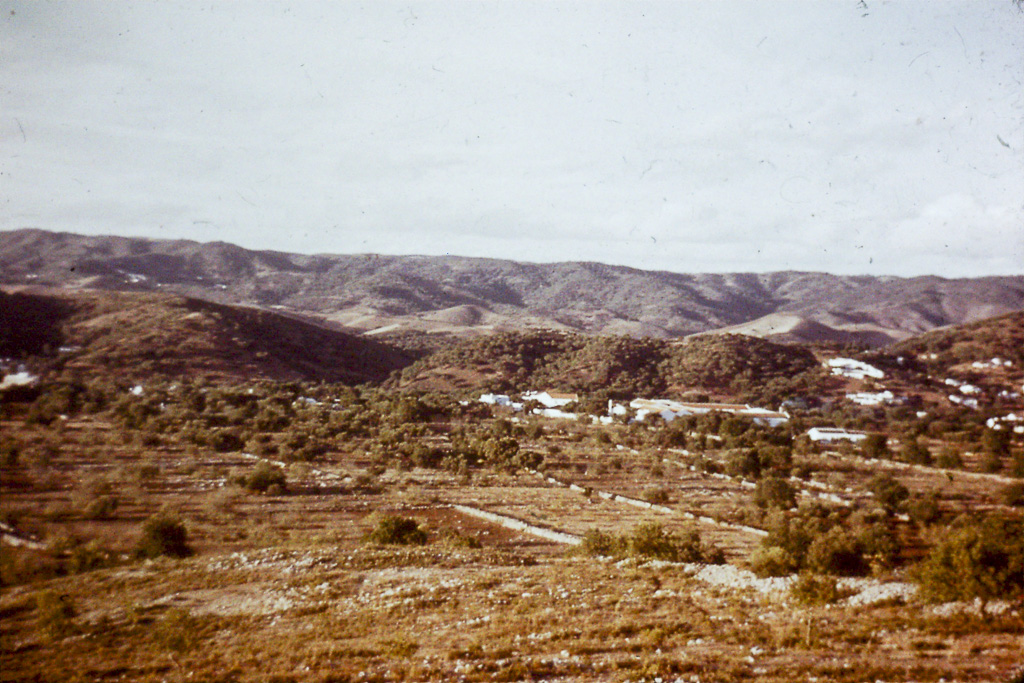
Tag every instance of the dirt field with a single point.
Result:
(284, 587)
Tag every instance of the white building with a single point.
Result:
(854, 369)
(550, 399)
(501, 400)
(866, 398)
(669, 410)
(830, 434)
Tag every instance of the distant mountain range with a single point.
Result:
(376, 294)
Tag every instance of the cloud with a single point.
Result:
(722, 135)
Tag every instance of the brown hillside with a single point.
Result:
(138, 335)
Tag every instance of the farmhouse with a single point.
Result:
(669, 410)
(830, 434)
(501, 400)
(550, 399)
(854, 369)
(865, 398)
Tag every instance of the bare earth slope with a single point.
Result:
(136, 335)
(455, 294)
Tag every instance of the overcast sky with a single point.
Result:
(884, 137)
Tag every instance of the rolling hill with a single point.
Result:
(137, 335)
(385, 294)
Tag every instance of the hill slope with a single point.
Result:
(369, 292)
(724, 366)
(134, 335)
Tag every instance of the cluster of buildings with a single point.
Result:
(553, 403)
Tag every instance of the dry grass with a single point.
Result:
(282, 587)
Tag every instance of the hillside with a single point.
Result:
(722, 366)
(136, 336)
(998, 337)
(383, 294)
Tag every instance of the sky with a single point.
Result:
(876, 137)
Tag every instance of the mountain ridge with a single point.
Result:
(368, 292)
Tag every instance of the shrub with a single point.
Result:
(102, 507)
(394, 530)
(597, 542)
(264, 476)
(1013, 495)
(163, 534)
(653, 541)
(949, 458)
(774, 492)
(924, 510)
(810, 589)
(656, 495)
(836, 552)
(772, 561)
(915, 453)
(888, 491)
(975, 559)
(875, 446)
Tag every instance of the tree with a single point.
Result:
(394, 530)
(975, 559)
(774, 492)
(164, 534)
(875, 446)
(889, 492)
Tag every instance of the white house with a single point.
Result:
(865, 398)
(501, 400)
(669, 410)
(834, 434)
(550, 399)
(854, 369)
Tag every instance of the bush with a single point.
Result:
(394, 530)
(915, 453)
(163, 534)
(265, 476)
(950, 459)
(772, 561)
(809, 589)
(875, 446)
(1013, 495)
(975, 559)
(656, 495)
(774, 492)
(924, 510)
(651, 540)
(836, 552)
(598, 543)
(888, 491)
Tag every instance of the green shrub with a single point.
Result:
(394, 530)
(924, 510)
(264, 477)
(774, 492)
(652, 540)
(599, 543)
(656, 495)
(810, 589)
(163, 534)
(974, 559)
(915, 453)
(836, 552)
(888, 491)
(875, 446)
(772, 561)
